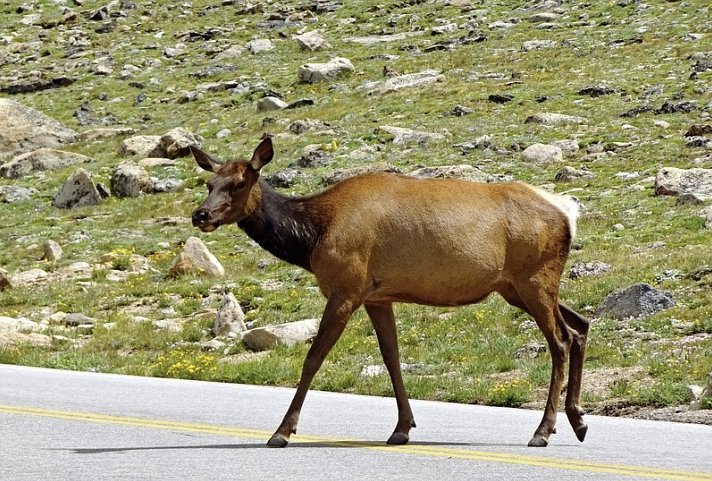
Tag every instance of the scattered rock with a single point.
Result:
(230, 320)
(464, 172)
(23, 129)
(569, 173)
(597, 91)
(77, 319)
(638, 300)
(483, 142)
(195, 258)
(500, 98)
(543, 154)
(319, 72)
(530, 350)
(311, 41)
(589, 269)
(32, 276)
(460, 111)
(268, 104)
(41, 159)
(684, 107)
(674, 181)
(77, 191)
(374, 370)
(546, 118)
(530, 45)
(143, 146)
(301, 126)
(260, 45)
(408, 136)
(289, 334)
(130, 180)
(52, 251)
(176, 143)
(15, 193)
(394, 84)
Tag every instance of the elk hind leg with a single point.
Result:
(579, 326)
(384, 323)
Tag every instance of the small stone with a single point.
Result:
(311, 41)
(259, 45)
(661, 124)
(78, 319)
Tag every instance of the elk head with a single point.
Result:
(233, 192)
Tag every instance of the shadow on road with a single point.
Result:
(261, 445)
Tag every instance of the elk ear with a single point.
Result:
(205, 160)
(262, 155)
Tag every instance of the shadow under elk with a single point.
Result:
(375, 239)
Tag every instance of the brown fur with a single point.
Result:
(376, 239)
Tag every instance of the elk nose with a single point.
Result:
(200, 217)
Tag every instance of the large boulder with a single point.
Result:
(130, 180)
(78, 190)
(638, 300)
(23, 129)
(289, 334)
(176, 142)
(40, 159)
(542, 154)
(142, 145)
(674, 181)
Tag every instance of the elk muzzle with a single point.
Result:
(201, 220)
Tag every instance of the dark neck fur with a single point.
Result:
(288, 228)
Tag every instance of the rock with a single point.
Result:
(707, 215)
(542, 154)
(15, 193)
(16, 325)
(544, 17)
(166, 185)
(259, 45)
(694, 393)
(374, 370)
(268, 104)
(230, 54)
(530, 45)
(588, 269)
(674, 181)
(52, 251)
(23, 129)
(530, 350)
(567, 145)
(289, 334)
(97, 133)
(483, 142)
(40, 159)
(300, 103)
(638, 300)
(698, 142)
(230, 319)
(18, 338)
(176, 143)
(311, 41)
(340, 174)
(550, 118)
(500, 98)
(465, 172)
(408, 136)
(77, 191)
(195, 258)
(413, 80)
(77, 319)
(150, 162)
(130, 180)
(4, 280)
(460, 111)
(29, 277)
(142, 145)
(684, 107)
(319, 72)
(301, 126)
(284, 178)
(569, 173)
(697, 130)
(597, 91)
(376, 39)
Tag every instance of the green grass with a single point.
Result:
(468, 354)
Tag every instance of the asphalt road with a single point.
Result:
(62, 425)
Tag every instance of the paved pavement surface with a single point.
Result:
(64, 425)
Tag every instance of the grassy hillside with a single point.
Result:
(643, 54)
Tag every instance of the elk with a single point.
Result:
(375, 239)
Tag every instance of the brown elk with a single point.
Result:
(376, 239)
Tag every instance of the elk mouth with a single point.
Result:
(201, 220)
(209, 226)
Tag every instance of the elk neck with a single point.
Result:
(289, 228)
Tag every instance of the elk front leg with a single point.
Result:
(333, 322)
(384, 323)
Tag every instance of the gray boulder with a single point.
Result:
(195, 258)
(408, 136)
(130, 180)
(674, 181)
(542, 154)
(23, 129)
(142, 145)
(230, 320)
(552, 118)
(15, 193)
(289, 334)
(268, 104)
(176, 142)
(638, 300)
(319, 72)
(78, 190)
(40, 159)
(311, 41)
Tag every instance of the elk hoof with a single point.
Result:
(277, 441)
(581, 432)
(398, 438)
(538, 442)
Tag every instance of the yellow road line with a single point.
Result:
(412, 449)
